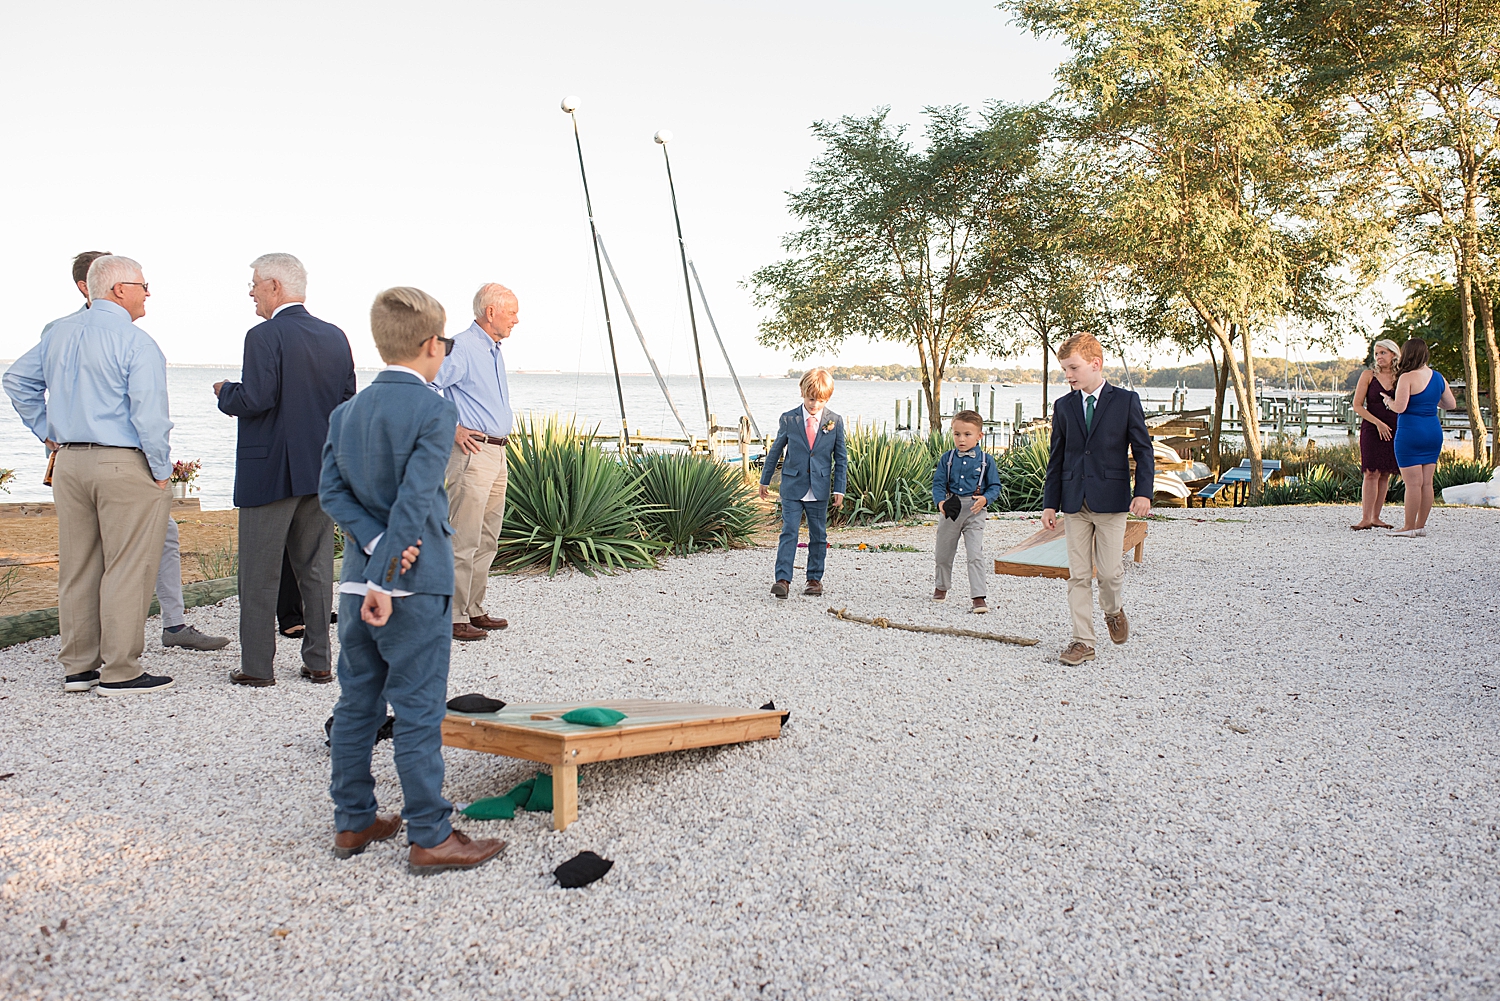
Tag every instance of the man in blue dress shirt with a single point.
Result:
(473, 377)
(108, 415)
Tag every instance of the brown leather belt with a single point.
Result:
(92, 444)
(493, 441)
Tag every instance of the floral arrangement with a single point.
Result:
(6, 475)
(829, 426)
(186, 472)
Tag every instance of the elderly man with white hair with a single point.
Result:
(473, 377)
(297, 369)
(96, 387)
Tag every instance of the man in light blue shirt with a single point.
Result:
(108, 417)
(473, 377)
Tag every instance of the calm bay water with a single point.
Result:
(203, 433)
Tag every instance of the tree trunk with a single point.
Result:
(1251, 424)
(1471, 368)
(1246, 401)
(1045, 374)
(933, 387)
(1221, 386)
(1487, 324)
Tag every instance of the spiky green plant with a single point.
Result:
(1023, 472)
(693, 503)
(1458, 472)
(567, 502)
(890, 478)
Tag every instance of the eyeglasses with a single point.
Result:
(145, 287)
(258, 281)
(447, 344)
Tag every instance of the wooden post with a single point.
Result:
(919, 411)
(564, 796)
(992, 403)
(909, 425)
(1018, 415)
(745, 447)
(896, 425)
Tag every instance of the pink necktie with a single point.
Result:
(812, 432)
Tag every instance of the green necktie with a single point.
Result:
(1088, 412)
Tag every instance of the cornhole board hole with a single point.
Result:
(535, 731)
(1045, 554)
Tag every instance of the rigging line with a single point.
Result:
(599, 242)
(715, 327)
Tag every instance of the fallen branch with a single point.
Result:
(884, 623)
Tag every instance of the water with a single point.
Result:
(203, 433)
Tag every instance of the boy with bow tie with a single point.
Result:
(965, 482)
(811, 438)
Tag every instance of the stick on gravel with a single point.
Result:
(884, 623)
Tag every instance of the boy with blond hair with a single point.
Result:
(383, 483)
(816, 466)
(1095, 429)
(965, 482)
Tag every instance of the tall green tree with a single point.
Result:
(899, 243)
(1432, 312)
(1217, 197)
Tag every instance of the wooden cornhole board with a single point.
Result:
(1045, 554)
(534, 731)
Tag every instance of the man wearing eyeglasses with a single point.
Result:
(96, 387)
(473, 377)
(297, 369)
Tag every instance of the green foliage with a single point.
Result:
(568, 503)
(1337, 480)
(1023, 472)
(890, 477)
(1431, 313)
(1459, 472)
(693, 503)
(219, 563)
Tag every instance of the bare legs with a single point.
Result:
(1418, 480)
(1372, 498)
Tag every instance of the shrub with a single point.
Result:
(1023, 472)
(890, 478)
(1458, 472)
(693, 503)
(568, 502)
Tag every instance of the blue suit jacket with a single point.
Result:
(827, 462)
(297, 369)
(383, 471)
(1093, 466)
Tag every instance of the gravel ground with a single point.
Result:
(1282, 787)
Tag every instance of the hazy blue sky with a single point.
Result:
(422, 144)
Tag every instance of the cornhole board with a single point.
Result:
(1045, 554)
(535, 731)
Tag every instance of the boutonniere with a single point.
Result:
(828, 427)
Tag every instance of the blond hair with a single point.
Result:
(816, 384)
(402, 320)
(969, 417)
(1086, 346)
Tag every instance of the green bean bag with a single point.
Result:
(593, 716)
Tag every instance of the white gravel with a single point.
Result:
(943, 817)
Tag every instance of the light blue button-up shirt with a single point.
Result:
(473, 377)
(95, 376)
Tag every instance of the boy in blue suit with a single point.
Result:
(965, 482)
(816, 466)
(382, 482)
(1095, 429)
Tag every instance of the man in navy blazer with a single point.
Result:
(383, 483)
(816, 465)
(1095, 430)
(297, 369)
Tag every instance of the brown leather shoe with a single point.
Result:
(1076, 654)
(781, 588)
(240, 678)
(487, 622)
(814, 588)
(938, 594)
(458, 852)
(347, 844)
(980, 608)
(317, 677)
(464, 631)
(1119, 626)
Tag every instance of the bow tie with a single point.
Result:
(967, 455)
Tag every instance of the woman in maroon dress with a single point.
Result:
(1377, 429)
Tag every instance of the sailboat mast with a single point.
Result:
(662, 138)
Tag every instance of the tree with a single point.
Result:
(1432, 313)
(899, 244)
(1217, 197)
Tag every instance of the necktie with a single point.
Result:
(1088, 413)
(812, 432)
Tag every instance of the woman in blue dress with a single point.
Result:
(1420, 391)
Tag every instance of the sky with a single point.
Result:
(422, 144)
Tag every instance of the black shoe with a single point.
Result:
(81, 682)
(781, 588)
(143, 685)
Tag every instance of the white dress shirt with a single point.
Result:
(284, 305)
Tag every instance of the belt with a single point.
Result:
(93, 444)
(493, 441)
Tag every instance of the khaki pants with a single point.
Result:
(970, 525)
(1095, 541)
(111, 524)
(476, 509)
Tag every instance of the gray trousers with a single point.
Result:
(298, 525)
(970, 525)
(169, 579)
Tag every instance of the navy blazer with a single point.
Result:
(383, 471)
(826, 462)
(297, 369)
(1093, 466)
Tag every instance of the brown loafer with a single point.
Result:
(1076, 654)
(467, 633)
(347, 844)
(781, 588)
(938, 594)
(487, 622)
(1119, 626)
(459, 852)
(317, 677)
(814, 588)
(241, 678)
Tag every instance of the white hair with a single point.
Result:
(108, 271)
(284, 268)
(491, 294)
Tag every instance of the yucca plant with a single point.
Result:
(567, 502)
(1458, 472)
(693, 503)
(890, 478)
(1023, 472)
